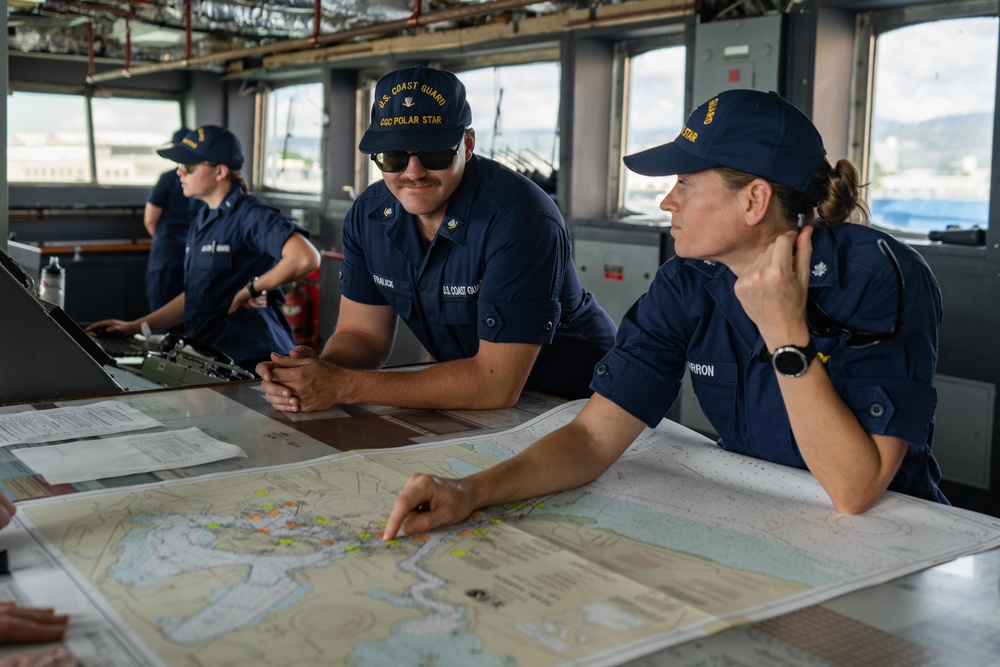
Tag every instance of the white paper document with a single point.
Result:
(78, 421)
(85, 460)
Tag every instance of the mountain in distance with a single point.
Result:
(939, 144)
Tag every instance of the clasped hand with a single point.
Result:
(300, 381)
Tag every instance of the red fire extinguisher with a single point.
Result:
(298, 312)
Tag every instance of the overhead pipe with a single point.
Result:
(113, 8)
(187, 30)
(413, 21)
(90, 48)
(128, 38)
(317, 18)
(681, 6)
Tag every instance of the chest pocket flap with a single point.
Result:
(211, 261)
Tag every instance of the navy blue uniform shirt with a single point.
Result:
(691, 319)
(499, 269)
(227, 247)
(165, 270)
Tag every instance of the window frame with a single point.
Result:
(540, 53)
(869, 26)
(264, 90)
(624, 51)
(88, 93)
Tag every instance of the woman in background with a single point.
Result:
(167, 217)
(239, 252)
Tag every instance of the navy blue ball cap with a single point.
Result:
(208, 143)
(417, 109)
(747, 130)
(179, 135)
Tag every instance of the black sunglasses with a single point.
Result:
(823, 325)
(396, 161)
(189, 168)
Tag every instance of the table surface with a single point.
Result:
(238, 412)
(946, 615)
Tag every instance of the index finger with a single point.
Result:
(407, 504)
(263, 369)
(803, 254)
(41, 614)
(302, 352)
(784, 247)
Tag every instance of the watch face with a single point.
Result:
(790, 361)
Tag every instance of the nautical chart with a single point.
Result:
(287, 565)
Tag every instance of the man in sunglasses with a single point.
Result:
(474, 258)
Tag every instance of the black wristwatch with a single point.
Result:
(792, 360)
(253, 293)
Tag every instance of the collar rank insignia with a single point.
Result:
(387, 211)
(819, 270)
(453, 223)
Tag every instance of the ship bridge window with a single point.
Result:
(931, 129)
(653, 113)
(515, 112)
(127, 132)
(48, 138)
(293, 139)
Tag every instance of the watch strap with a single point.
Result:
(250, 288)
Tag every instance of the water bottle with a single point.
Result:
(53, 283)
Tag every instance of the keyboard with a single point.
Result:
(124, 346)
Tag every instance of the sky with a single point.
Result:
(530, 97)
(936, 69)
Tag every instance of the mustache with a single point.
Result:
(425, 182)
